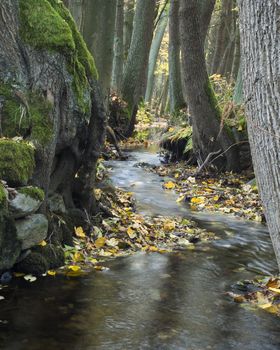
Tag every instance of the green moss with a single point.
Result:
(56, 30)
(17, 120)
(16, 162)
(3, 199)
(33, 192)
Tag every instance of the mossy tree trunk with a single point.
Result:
(48, 96)
(135, 73)
(208, 135)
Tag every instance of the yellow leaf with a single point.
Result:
(19, 274)
(180, 199)
(100, 242)
(97, 194)
(171, 129)
(93, 261)
(198, 200)
(216, 198)
(131, 233)
(43, 243)
(51, 273)
(275, 290)
(113, 242)
(79, 232)
(74, 268)
(169, 226)
(176, 175)
(169, 185)
(265, 306)
(153, 248)
(78, 257)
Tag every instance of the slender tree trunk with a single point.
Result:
(175, 84)
(260, 46)
(155, 47)
(118, 48)
(98, 32)
(206, 10)
(208, 135)
(135, 73)
(236, 56)
(128, 25)
(76, 8)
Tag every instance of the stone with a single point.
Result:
(32, 230)
(34, 264)
(10, 246)
(23, 205)
(56, 204)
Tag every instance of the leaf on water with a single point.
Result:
(19, 274)
(79, 232)
(51, 273)
(30, 278)
(198, 200)
(1, 297)
(100, 242)
(74, 268)
(169, 185)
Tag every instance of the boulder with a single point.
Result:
(27, 201)
(56, 204)
(32, 230)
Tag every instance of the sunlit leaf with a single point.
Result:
(79, 232)
(169, 185)
(100, 242)
(51, 273)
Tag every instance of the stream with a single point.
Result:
(150, 301)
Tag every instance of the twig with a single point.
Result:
(203, 165)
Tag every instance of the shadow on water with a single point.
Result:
(150, 301)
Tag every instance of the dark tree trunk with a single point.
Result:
(208, 135)
(118, 62)
(260, 48)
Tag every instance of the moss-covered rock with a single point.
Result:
(25, 114)
(54, 255)
(16, 162)
(33, 192)
(34, 263)
(3, 199)
(57, 31)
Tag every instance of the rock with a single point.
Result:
(23, 204)
(54, 255)
(10, 246)
(56, 204)
(16, 162)
(32, 230)
(34, 264)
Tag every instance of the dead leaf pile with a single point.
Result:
(225, 193)
(266, 295)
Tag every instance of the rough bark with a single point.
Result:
(128, 25)
(135, 73)
(76, 8)
(98, 31)
(118, 61)
(154, 51)
(260, 47)
(208, 135)
(206, 10)
(175, 84)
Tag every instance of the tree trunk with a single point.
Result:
(118, 61)
(98, 31)
(206, 10)
(47, 64)
(76, 8)
(260, 48)
(175, 84)
(128, 25)
(135, 73)
(155, 47)
(208, 135)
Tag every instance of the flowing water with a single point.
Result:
(149, 301)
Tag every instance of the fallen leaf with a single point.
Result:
(169, 185)
(51, 273)
(198, 200)
(131, 233)
(1, 297)
(74, 268)
(100, 242)
(30, 278)
(275, 290)
(79, 232)
(169, 226)
(43, 243)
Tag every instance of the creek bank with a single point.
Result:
(226, 193)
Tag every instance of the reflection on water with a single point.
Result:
(149, 301)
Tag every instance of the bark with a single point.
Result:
(208, 135)
(260, 48)
(98, 31)
(34, 69)
(154, 51)
(236, 56)
(135, 73)
(206, 10)
(175, 84)
(118, 62)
